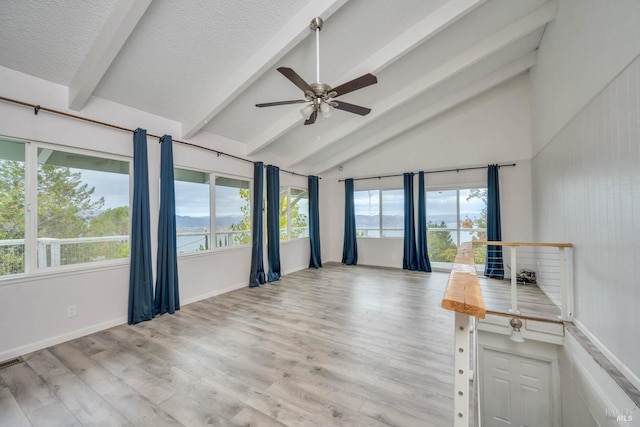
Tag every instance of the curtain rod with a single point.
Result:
(436, 171)
(37, 108)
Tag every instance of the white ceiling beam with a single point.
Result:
(273, 50)
(121, 22)
(475, 54)
(447, 103)
(428, 27)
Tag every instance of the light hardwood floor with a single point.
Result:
(344, 345)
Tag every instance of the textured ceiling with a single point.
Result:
(206, 63)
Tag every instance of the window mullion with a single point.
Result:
(458, 217)
(31, 208)
(213, 244)
(289, 213)
(380, 210)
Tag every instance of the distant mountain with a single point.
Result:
(185, 222)
(391, 221)
(191, 221)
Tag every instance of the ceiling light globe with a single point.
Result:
(307, 111)
(326, 110)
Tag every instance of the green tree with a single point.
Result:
(112, 222)
(64, 203)
(245, 223)
(298, 218)
(11, 215)
(442, 248)
(479, 251)
(66, 209)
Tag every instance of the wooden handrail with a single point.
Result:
(463, 294)
(552, 245)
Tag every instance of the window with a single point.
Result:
(79, 209)
(232, 212)
(294, 213)
(12, 197)
(83, 208)
(193, 210)
(379, 213)
(453, 217)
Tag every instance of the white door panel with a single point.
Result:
(516, 390)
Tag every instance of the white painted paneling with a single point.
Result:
(586, 190)
(582, 50)
(517, 390)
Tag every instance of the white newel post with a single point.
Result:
(462, 373)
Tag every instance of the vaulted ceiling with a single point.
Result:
(206, 64)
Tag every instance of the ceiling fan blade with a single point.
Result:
(271, 104)
(295, 78)
(312, 118)
(356, 109)
(355, 84)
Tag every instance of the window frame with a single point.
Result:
(288, 213)
(459, 230)
(380, 230)
(214, 246)
(31, 268)
(210, 210)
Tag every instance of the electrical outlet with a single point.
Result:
(72, 311)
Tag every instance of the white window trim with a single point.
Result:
(31, 269)
(212, 215)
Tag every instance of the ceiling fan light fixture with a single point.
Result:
(306, 111)
(320, 95)
(326, 110)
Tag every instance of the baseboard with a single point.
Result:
(39, 345)
(624, 369)
(294, 269)
(214, 293)
(58, 339)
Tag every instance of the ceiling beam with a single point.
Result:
(461, 96)
(428, 27)
(457, 64)
(116, 30)
(271, 52)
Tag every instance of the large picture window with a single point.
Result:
(232, 211)
(379, 213)
(453, 217)
(294, 213)
(193, 210)
(83, 208)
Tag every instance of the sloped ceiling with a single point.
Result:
(206, 64)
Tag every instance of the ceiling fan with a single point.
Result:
(321, 96)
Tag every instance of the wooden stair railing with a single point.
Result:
(463, 296)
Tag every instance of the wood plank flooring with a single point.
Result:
(344, 346)
(532, 301)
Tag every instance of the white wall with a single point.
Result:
(33, 308)
(492, 128)
(586, 179)
(582, 50)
